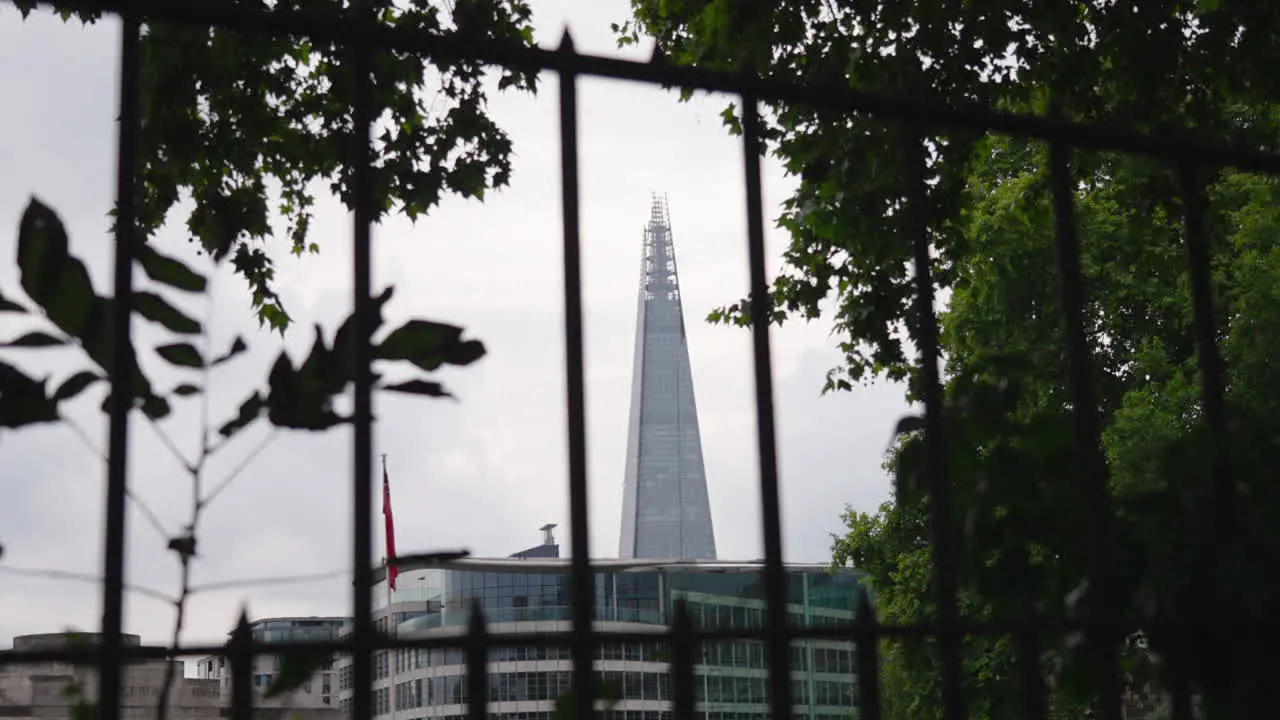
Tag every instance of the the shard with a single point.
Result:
(665, 510)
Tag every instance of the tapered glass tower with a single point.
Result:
(665, 510)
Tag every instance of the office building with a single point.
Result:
(316, 693)
(532, 595)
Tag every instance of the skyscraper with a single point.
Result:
(665, 510)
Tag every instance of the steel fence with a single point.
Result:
(918, 118)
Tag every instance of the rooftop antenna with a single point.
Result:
(548, 537)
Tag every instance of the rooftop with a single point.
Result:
(564, 565)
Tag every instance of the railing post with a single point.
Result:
(112, 660)
(240, 657)
(1030, 674)
(774, 575)
(1101, 607)
(582, 585)
(684, 643)
(936, 467)
(477, 664)
(867, 649)
(363, 632)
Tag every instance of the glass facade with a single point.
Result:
(296, 629)
(525, 682)
(317, 690)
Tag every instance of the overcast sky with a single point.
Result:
(483, 473)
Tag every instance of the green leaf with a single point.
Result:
(295, 669)
(186, 389)
(607, 692)
(24, 400)
(419, 387)
(181, 354)
(908, 424)
(35, 339)
(302, 398)
(250, 410)
(345, 337)
(84, 710)
(155, 407)
(170, 271)
(98, 338)
(76, 384)
(158, 310)
(237, 346)
(57, 282)
(429, 345)
(151, 405)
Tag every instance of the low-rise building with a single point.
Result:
(54, 689)
(316, 693)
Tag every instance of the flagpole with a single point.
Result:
(388, 550)
(391, 613)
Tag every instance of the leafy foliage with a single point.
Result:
(1089, 60)
(297, 396)
(605, 695)
(295, 669)
(1014, 458)
(247, 125)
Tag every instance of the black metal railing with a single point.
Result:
(918, 118)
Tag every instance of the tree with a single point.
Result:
(1092, 60)
(1013, 456)
(247, 126)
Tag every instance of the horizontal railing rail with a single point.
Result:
(929, 115)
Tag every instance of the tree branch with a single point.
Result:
(240, 468)
(265, 581)
(52, 574)
(150, 515)
(170, 671)
(170, 445)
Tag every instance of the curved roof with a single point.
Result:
(561, 565)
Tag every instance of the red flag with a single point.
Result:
(392, 570)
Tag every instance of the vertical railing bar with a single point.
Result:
(477, 664)
(1027, 651)
(1030, 672)
(775, 579)
(112, 660)
(1213, 399)
(362, 357)
(583, 648)
(867, 650)
(1101, 605)
(684, 645)
(241, 659)
(1179, 687)
(938, 473)
(1212, 372)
